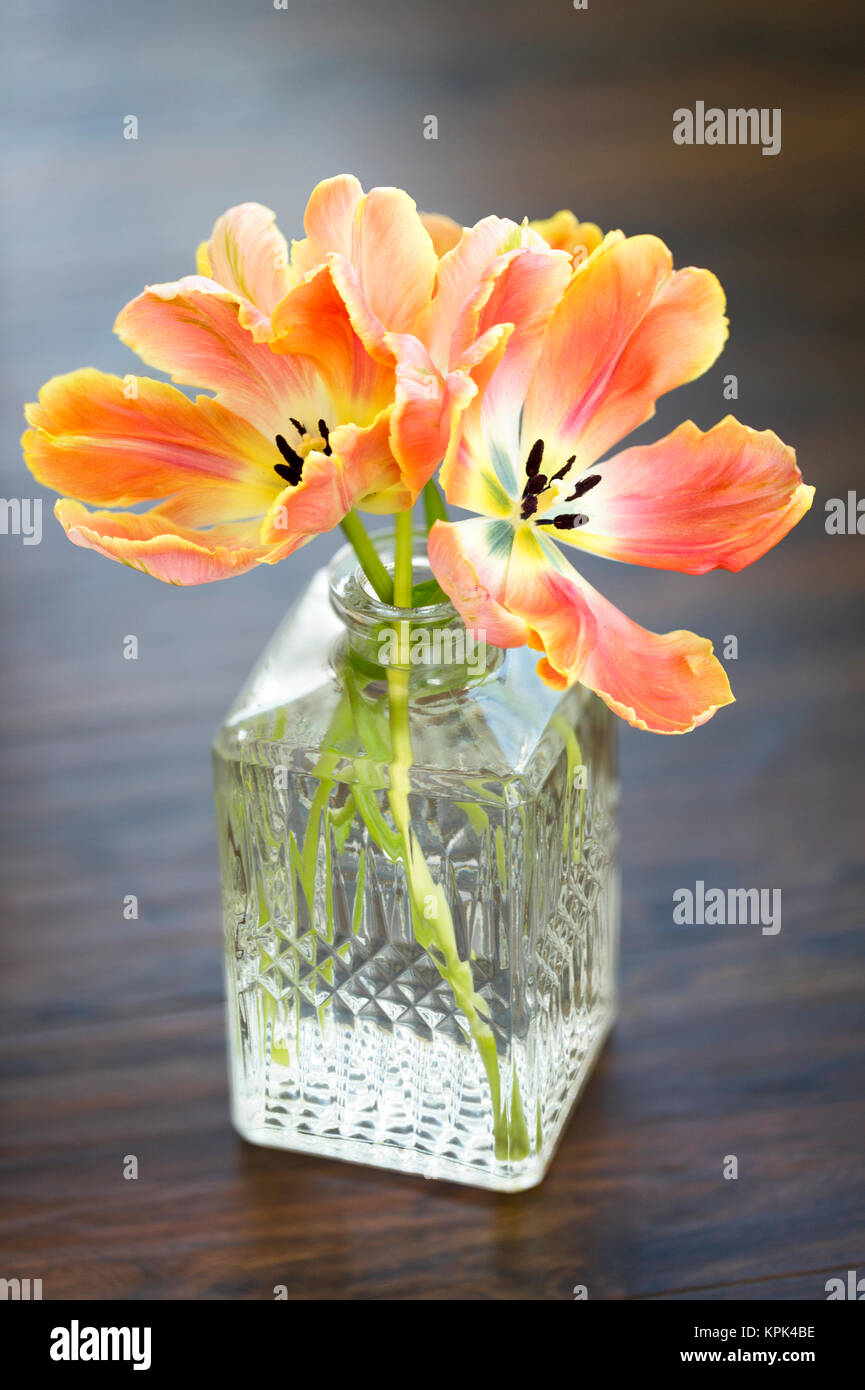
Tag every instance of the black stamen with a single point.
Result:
(325, 434)
(287, 452)
(292, 469)
(584, 486)
(537, 483)
(301, 429)
(533, 462)
(565, 522)
(529, 507)
(563, 472)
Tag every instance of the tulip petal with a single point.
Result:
(664, 683)
(313, 325)
(449, 323)
(91, 441)
(522, 289)
(540, 589)
(328, 222)
(192, 329)
(383, 257)
(694, 501)
(444, 232)
(627, 329)
(470, 561)
(361, 472)
(393, 257)
(374, 481)
(510, 587)
(515, 585)
(428, 407)
(248, 255)
(565, 232)
(153, 543)
(317, 504)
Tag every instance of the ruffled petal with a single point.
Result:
(373, 480)
(627, 329)
(192, 329)
(565, 232)
(383, 258)
(90, 439)
(693, 501)
(664, 683)
(248, 255)
(513, 584)
(512, 590)
(449, 323)
(429, 406)
(317, 504)
(153, 543)
(328, 222)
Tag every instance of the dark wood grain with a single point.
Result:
(729, 1042)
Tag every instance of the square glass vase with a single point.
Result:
(420, 891)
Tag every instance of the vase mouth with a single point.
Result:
(355, 601)
(431, 640)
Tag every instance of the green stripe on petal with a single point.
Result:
(505, 472)
(500, 540)
(498, 499)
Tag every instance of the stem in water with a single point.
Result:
(431, 915)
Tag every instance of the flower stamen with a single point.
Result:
(539, 495)
(292, 469)
(536, 454)
(565, 521)
(536, 481)
(583, 486)
(564, 470)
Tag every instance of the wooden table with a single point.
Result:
(730, 1042)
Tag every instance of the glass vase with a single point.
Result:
(420, 893)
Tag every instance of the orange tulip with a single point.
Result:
(626, 330)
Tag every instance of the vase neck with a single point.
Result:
(430, 640)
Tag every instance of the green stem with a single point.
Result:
(575, 760)
(431, 914)
(402, 565)
(369, 558)
(434, 505)
(341, 725)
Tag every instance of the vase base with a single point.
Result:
(482, 1171)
